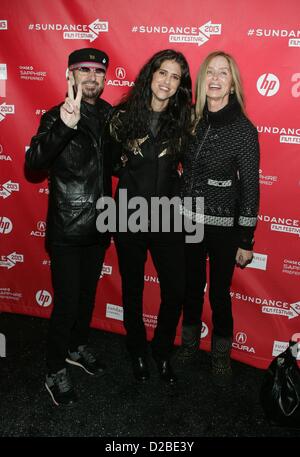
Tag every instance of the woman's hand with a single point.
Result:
(243, 257)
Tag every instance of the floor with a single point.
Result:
(115, 405)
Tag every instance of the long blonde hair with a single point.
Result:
(200, 92)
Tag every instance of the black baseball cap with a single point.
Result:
(88, 57)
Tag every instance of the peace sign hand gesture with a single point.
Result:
(70, 110)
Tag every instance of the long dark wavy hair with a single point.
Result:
(175, 121)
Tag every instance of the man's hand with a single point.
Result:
(243, 257)
(70, 110)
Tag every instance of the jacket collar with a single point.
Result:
(225, 115)
(89, 109)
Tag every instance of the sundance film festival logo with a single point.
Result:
(2, 345)
(75, 31)
(5, 225)
(106, 270)
(9, 261)
(288, 135)
(8, 188)
(151, 279)
(268, 84)
(3, 24)
(281, 224)
(291, 312)
(270, 306)
(198, 35)
(292, 35)
(5, 110)
(120, 74)
(43, 298)
(294, 43)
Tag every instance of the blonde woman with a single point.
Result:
(221, 164)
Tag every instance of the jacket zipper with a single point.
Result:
(196, 157)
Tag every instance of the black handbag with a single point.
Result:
(280, 390)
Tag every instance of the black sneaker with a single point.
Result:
(85, 359)
(60, 388)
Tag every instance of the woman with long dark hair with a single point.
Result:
(148, 133)
(220, 165)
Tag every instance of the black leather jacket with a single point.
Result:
(77, 173)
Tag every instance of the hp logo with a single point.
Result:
(268, 84)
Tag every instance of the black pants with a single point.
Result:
(220, 245)
(75, 273)
(168, 259)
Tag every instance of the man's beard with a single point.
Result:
(90, 92)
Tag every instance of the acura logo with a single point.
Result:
(120, 73)
(41, 226)
(241, 337)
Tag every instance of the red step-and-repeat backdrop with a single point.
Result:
(264, 37)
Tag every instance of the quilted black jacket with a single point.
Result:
(77, 177)
(146, 167)
(222, 165)
(150, 170)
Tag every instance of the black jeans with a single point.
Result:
(75, 274)
(220, 244)
(168, 258)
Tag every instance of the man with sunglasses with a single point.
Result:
(68, 145)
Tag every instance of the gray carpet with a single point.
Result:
(115, 407)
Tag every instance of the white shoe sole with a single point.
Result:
(51, 394)
(77, 364)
